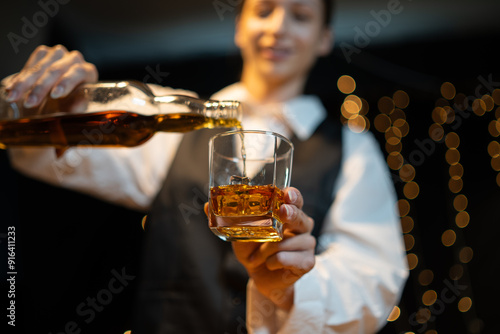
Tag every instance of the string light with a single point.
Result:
(391, 122)
(354, 109)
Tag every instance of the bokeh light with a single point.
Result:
(448, 91)
(429, 297)
(346, 84)
(395, 313)
(448, 238)
(425, 277)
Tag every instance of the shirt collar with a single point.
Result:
(303, 114)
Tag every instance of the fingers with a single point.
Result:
(290, 213)
(288, 253)
(293, 196)
(52, 71)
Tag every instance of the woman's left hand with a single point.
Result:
(276, 266)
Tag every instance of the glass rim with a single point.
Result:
(265, 132)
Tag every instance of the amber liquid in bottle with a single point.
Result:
(241, 212)
(107, 128)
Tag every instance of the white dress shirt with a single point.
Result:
(360, 273)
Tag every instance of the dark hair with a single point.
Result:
(328, 4)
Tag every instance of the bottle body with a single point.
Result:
(109, 114)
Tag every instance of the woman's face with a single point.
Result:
(281, 39)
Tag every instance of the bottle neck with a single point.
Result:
(215, 110)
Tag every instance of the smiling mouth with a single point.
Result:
(275, 53)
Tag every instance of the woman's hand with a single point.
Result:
(53, 71)
(276, 266)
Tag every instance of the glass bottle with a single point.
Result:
(109, 114)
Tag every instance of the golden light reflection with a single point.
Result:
(452, 156)
(406, 224)
(439, 115)
(395, 160)
(452, 140)
(411, 190)
(346, 84)
(397, 114)
(393, 135)
(401, 99)
(456, 272)
(465, 255)
(479, 107)
(412, 260)
(429, 297)
(425, 277)
(448, 238)
(143, 222)
(382, 122)
(403, 207)
(462, 219)
(436, 132)
(393, 148)
(395, 313)
(464, 304)
(364, 107)
(488, 102)
(385, 105)
(495, 163)
(456, 171)
(423, 315)
(441, 102)
(349, 109)
(407, 173)
(497, 112)
(494, 149)
(448, 91)
(460, 202)
(455, 185)
(358, 124)
(356, 100)
(403, 126)
(496, 96)
(494, 128)
(409, 241)
(450, 114)
(461, 102)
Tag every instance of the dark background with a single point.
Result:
(188, 44)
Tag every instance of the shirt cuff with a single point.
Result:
(307, 313)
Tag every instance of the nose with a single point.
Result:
(278, 21)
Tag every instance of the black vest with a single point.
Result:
(191, 281)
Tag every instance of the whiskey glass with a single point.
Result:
(249, 171)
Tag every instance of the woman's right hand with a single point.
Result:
(53, 71)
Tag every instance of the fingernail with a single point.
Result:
(12, 96)
(292, 195)
(30, 101)
(288, 211)
(57, 92)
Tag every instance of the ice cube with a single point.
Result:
(236, 179)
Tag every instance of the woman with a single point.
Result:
(353, 283)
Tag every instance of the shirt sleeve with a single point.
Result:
(360, 275)
(130, 177)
